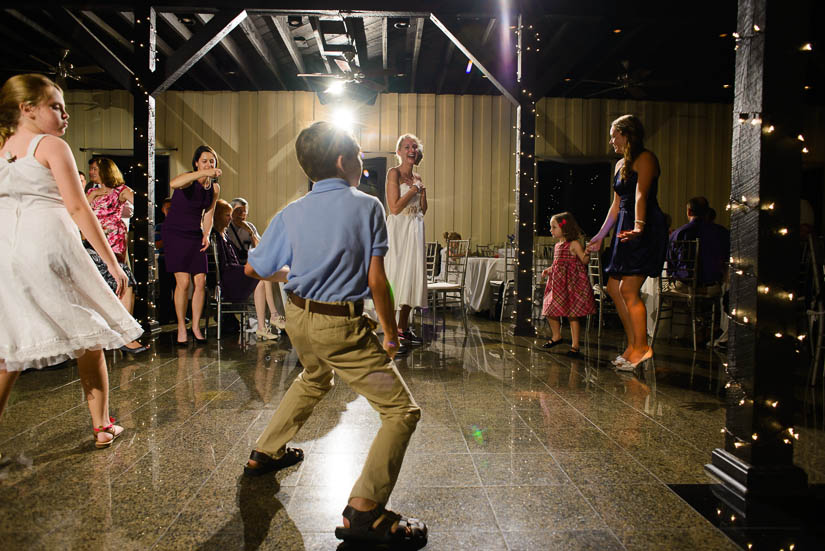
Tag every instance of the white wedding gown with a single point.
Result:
(405, 264)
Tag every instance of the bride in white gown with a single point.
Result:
(405, 263)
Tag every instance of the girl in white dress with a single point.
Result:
(405, 263)
(60, 304)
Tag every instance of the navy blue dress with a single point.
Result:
(644, 255)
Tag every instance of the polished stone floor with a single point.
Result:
(516, 449)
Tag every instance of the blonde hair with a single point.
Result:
(31, 89)
(110, 175)
(414, 138)
(631, 128)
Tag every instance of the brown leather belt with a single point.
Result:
(326, 308)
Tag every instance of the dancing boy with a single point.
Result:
(333, 267)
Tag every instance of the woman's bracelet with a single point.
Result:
(642, 222)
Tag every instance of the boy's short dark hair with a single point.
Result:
(319, 146)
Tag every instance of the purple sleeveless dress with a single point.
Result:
(181, 231)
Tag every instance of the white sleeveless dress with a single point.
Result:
(54, 304)
(405, 264)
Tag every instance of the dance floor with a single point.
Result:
(516, 449)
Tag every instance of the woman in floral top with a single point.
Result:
(108, 201)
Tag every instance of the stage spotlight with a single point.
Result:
(343, 118)
(336, 88)
(294, 20)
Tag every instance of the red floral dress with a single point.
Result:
(568, 292)
(107, 209)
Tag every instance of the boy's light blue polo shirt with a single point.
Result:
(327, 238)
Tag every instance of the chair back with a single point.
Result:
(594, 271)
(509, 262)
(682, 272)
(430, 253)
(213, 268)
(457, 252)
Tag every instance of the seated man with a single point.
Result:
(714, 246)
(241, 233)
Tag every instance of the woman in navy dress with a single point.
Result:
(185, 235)
(640, 240)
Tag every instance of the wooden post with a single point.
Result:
(764, 347)
(525, 169)
(143, 169)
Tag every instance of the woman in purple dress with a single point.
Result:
(185, 236)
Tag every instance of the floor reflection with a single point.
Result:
(517, 448)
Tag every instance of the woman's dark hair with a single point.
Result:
(200, 151)
(631, 128)
(570, 229)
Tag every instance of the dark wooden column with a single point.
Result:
(764, 346)
(528, 45)
(143, 171)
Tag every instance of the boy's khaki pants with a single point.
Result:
(348, 346)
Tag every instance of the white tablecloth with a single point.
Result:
(650, 296)
(480, 271)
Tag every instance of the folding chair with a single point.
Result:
(451, 289)
(214, 295)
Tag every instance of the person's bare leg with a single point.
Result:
(613, 289)
(198, 300)
(94, 378)
(555, 328)
(575, 332)
(7, 379)
(404, 318)
(637, 314)
(128, 302)
(259, 297)
(181, 302)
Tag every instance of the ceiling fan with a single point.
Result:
(633, 83)
(62, 70)
(351, 73)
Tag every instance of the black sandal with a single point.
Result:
(574, 353)
(550, 344)
(375, 527)
(267, 464)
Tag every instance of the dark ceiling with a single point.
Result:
(654, 56)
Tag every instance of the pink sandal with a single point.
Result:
(110, 428)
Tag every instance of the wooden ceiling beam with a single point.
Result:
(109, 30)
(504, 83)
(280, 22)
(38, 28)
(385, 50)
(214, 32)
(185, 34)
(316, 32)
(164, 48)
(231, 48)
(471, 78)
(355, 27)
(419, 31)
(92, 46)
(257, 41)
(445, 66)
